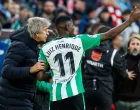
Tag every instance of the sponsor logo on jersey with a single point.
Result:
(62, 80)
(92, 36)
(96, 56)
(93, 63)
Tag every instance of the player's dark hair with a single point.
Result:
(103, 29)
(62, 19)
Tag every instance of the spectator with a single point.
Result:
(138, 23)
(91, 17)
(15, 9)
(124, 5)
(60, 12)
(39, 9)
(128, 90)
(23, 16)
(5, 14)
(105, 18)
(113, 9)
(127, 32)
(6, 6)
(91, 3)
(79, 11)
(49, 8)
(18, 81)
(97, 78)
(117, 44)
(3, 50)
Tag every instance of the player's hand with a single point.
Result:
(40, 65)
(131, 75)
(135, 14)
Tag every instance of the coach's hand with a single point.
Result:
(131, 74)
(40, 65)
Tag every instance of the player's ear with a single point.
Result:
(67, 26)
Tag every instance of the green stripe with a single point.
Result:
(69, 89)
(49, 105)
(51, 90)
(58, 91)
(83, 101)
(79, 81)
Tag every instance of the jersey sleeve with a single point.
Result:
(43, 86)
(89, 41)
(42, 57)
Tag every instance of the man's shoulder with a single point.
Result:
(81, 35)
(61, 40)
(18, 45)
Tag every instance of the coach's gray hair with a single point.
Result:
(35, 25)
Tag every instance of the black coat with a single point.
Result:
(99, 66)
(16, 80)
(129, 90)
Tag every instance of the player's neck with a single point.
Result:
(63, 34)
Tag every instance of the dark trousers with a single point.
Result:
(72, 103)
(15, 100)
(15, 108)
(41, 101)
(100, 100)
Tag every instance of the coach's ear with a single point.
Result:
(36, 37)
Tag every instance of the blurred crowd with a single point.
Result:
(88, 15)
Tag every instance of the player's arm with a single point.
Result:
(134, 16)
(43, 86)
(41, 74)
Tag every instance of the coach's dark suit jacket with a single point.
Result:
(17, 85)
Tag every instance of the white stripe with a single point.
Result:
(112, 57)
(63, 91)
(74, 86)
(54, 92)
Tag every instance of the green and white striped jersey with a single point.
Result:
(64, 58)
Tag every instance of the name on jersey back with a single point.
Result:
(63, 46)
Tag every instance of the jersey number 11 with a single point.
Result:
(69, 55)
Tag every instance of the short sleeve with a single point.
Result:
(43, 86)
(89, 41)
(42, 56)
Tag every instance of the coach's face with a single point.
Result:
(134, 47)
(41, 37)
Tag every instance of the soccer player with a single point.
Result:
(64, 55)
